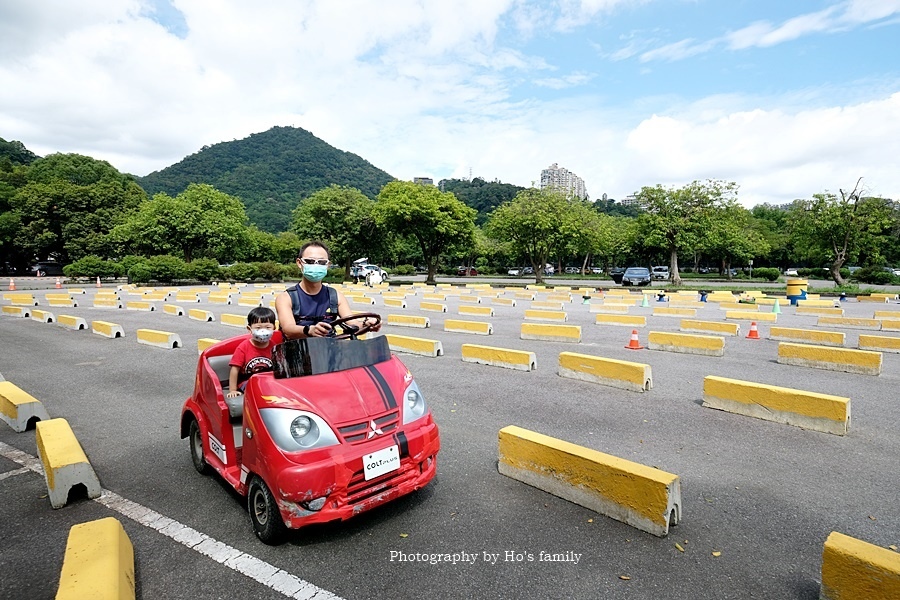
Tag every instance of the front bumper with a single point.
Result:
(339, 479)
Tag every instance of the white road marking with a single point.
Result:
(241, 562)
(9, 474)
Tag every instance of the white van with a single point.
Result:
(660, 273)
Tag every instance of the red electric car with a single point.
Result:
(339, 427)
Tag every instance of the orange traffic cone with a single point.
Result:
(58, 284)
(12, 285)
(634, 343)
(754, 333)
(98, 281)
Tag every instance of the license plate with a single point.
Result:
(381, 462)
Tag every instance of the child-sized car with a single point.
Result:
(339, 427)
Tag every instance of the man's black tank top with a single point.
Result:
(310, 309)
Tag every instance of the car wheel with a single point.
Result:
(264, 513)
(197, 458)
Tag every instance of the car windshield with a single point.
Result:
(314, 356)
(636, 271)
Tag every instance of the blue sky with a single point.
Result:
(787, 99)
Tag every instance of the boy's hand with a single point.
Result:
(232, 394)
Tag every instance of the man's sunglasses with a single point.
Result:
(314, 261)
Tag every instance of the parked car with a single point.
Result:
(660, 273)
(597, 270)
(527, 271)
(362, 270)
(704, 270)
(514, 271)
(464, 271)
(573, 270)
(792, 272)
(616, 273)
(46, 268)
(636, 276)
(548, 269)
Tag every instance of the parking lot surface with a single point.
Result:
(759, 498)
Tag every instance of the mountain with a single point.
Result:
(483, 196)
(270, 171)
(16, 153)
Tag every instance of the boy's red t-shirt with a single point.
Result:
(250, 359)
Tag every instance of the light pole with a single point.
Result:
(751, 268)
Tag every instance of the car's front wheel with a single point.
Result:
(264, 514)
(196, 440)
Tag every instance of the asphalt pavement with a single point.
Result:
(762, 495)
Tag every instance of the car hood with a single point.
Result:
(340, 397)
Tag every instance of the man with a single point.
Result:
(307, 309)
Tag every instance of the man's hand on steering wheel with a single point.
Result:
(370, 322)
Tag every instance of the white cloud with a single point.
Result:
(417, 88)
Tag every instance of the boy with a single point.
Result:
(255, 354)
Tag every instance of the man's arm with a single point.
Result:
(285, 312)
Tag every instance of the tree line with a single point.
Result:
(81, 211)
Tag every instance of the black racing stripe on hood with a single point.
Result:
(386, 393)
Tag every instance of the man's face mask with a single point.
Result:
(315, 273)
(261, 335)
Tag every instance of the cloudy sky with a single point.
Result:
(786, 98)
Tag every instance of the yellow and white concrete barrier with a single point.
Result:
(853, 569)
(520, 360)
(22, 312)
(160, 339)
(413, 345)
(409, 321)
(198, 314)
(644, 497)
(65, 463)
(545, 315)
(621, 374)
(233, 320)
(716, 327)
(749, 315)
(847, 360)
(548, 332)
(850, 323)
(622, 320)
(879, 342)
(173, 309)
(476, 327)
(21, 299)
(107, 329)
(19, 408)
(808, 410)
(668, 311)
(807, 336)
(479, 311)
(98, 564)
(70, 322)
(204, 343)
(107, 302)
(42, 316)
(140, 305)
(433, 307)
(686, 343)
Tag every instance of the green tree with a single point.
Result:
(437, 220)
(731, 238)
(69, 204)
(835, 229)
(343, 218)
(678, 218)
(199, 222)
(534, 224)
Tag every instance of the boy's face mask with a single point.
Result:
(261, 335)
(315, 273)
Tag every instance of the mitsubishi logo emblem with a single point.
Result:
(373, 431)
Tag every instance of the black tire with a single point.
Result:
(196, 441)
(264, 514)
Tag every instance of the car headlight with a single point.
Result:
(295, 430)
(413, 403)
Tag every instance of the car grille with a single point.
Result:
(359, 432)
(359, 489)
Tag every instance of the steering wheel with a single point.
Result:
(352, 331)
